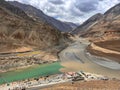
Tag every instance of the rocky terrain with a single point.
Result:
(14, 61)
(102, 27)
(37, 14)
(17, 30)
(20, 33)
(87, 24)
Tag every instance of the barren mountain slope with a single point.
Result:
(107, 28)
(18, 30)
(87, 24)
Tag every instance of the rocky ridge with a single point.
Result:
(37, 14)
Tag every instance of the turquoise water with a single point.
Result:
(31, 72)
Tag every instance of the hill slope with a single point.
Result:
(19, 30)
(88, 24)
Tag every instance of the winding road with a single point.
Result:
(75, 58)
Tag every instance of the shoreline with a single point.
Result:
(31, 72)
(54, 80)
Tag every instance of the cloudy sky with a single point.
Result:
(76, 11)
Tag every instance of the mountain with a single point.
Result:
(88, 24)
(104, 27)
(113, 13)
(73, 25)
(104, 33)
(18, 30)
(37, 14)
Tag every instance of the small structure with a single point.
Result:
(77, 78)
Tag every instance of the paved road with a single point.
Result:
(74, 58)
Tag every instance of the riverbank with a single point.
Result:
(43, 82)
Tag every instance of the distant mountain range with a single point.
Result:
(37, 14)
(102, 26)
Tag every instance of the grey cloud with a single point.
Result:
(71, 10)
(58, 2)
(76, 12)
(86, 5)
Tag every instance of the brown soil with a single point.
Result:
(112, 45)
(111, 56)
(87, 85)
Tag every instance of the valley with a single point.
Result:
(72, 59)
(38, 51)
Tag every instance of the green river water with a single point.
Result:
(31, 72)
